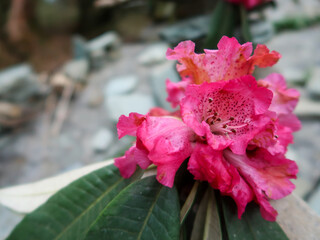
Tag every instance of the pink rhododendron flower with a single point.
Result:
(249, 4)
(227, 113)
(231, 60)
(232, 130)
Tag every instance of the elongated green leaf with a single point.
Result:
(28, 197)
(207, 221)
(189, 202)
(144, 210)
(251, 226)
(245, 27)
(69, 213)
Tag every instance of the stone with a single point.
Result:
(299, 54)
(18, 83)
(314, 200)
(77, 69)
(158, 78)
(313, 85)
(124, 104)
(261, 31)
(307, 108)
(80, 49)
(105, 43)
(296, 218)
(295, 76)
(121, 85)
(190, 29)
(155, 53)
(102, 140)
(10, 111)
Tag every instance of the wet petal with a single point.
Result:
(127, 164)
(168, 141)
(129, 125)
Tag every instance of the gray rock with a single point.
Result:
(261, 31)
(313, 86)
(18, 83)
(299, 53)
(124, 104)
(190, 29)
(102, 48)
(158, 78)
(104, 41)
(295, 76)
(80, 48)
(308, 108)
(77, 69)
(314, 200)
(102, 140)
(293, 9)
(153, 54)
(121, 85)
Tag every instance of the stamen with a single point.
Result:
(218, 119)
(233, 130)
(231, 118)
(210, 100)
(225, 126)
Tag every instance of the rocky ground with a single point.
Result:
(134, 81)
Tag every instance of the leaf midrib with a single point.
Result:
(89, 207)
(149, 213)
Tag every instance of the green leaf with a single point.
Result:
(245, 27)
(69, 213)
(223, 22)
(207, 221)
(189, 202)
(144, 210)
(251, 226)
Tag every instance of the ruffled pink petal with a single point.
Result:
(176, 91)
(271, 174)
(168, 141)
(291, 121)
(228, 113)
(231, 60)
(267, 175)
(191, 65)
(127, 164)
(242, 194)
(262, 57)
(284, 100)
(206, 164)
(129, 125)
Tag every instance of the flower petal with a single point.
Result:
(284, 100)
(129, 125)
(127, 164)
(207, 164)
(271, 174)
(176, 91)
(228, 113)
(168, 141)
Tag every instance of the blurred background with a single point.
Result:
(70, 68)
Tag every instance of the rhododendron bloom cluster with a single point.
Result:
(233, 130)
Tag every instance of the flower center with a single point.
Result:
(222, 126)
